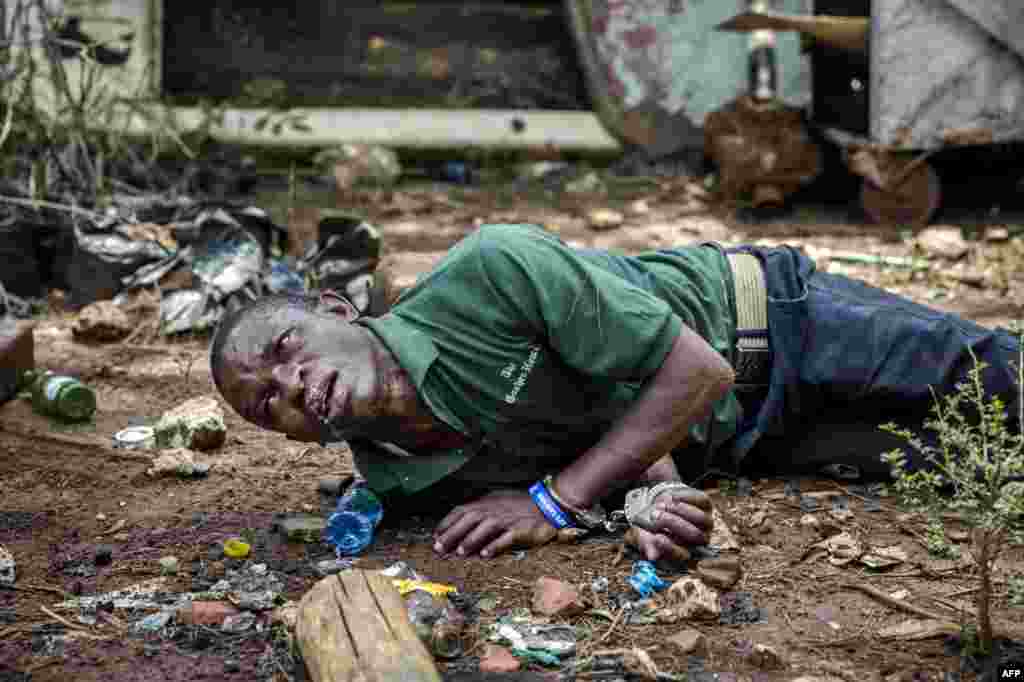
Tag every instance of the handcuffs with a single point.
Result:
(638, 510)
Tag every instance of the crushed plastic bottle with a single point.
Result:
(350, 528)
(645, 579)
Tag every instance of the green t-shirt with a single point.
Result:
(533, 349)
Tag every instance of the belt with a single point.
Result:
(753, 360)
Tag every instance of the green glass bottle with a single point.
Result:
(62, 396)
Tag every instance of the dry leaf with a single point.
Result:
(919, 629)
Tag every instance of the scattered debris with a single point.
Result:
(555, 598)
(919, 629)
(738, 607)
(631, 662)
(722, 537)
(757, 518)
(102, 322)
(691, 599)
(599, 585)
(287, 615)
(135, 438)
(690, 642)
(601, 219)
(645, 579)
(498, 659)
(7, 567)
(809, 521)
(196, 424)
(350, 528)
(407, 585)
(154, 622)
(177, 462)
(997, 234)
(328, 567)
(903, 262)
(238, 622)
(841, 549)
(943, 241)
(765, 657)
(535, 641)
(884, 557)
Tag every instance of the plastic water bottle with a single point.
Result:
(351, 526)
(62, 396)
(645, 579)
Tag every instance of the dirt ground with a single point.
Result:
(66, 490)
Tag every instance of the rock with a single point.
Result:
(765, 658)
(691, 599)
(206, 613)
(169, 565)
(604, 219)
(589, 183)
(176, 462)
(944, 241)
(996, 234)
(690, 641)
(555, 598)
(302, 527)
(196, 424)
(103, 555)
(498, 659)
(7, 567)
(101, 322)
(640, 207)
(721, 573)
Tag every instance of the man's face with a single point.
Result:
(292, 370)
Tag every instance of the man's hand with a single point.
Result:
(493, 524)
(677, 518)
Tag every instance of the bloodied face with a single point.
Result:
(298, 369)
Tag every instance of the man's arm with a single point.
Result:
(681, 393)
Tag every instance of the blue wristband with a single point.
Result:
(555, 515)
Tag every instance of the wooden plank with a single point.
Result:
(353, 627)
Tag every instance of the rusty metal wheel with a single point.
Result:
(913, 202)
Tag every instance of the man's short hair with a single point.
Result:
(234, 319)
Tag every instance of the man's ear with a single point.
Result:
(333, 302)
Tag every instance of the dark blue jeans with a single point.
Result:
(848, 357)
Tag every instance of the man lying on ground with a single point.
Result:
(540, 379)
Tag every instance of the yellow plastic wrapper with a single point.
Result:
(236, 549)
(405, 586)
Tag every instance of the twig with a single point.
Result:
(38, 588)
(39, 203)
(64, 621)
(893, 603)
(615, 622)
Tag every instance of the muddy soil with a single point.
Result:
(66, 490)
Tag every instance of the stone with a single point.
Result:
(721, 573)
(196, 424)
(943, 241)
(103, 555)
(639, 207)
(691, 599)
(498, 659)
(7, 567)
(302, 527)
(765, 657)
(174, 462)
(169, 565)
(556, 598)
(996, 234)
(690, 641)
(211, 613)
(101, 322)
(604, 219)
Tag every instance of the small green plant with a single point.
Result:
(1015, 588)
(937, 543)
(972, 472)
